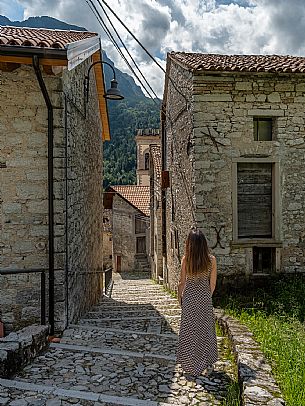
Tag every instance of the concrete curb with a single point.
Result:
(258, 386)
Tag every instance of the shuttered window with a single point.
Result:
(254, 200)
(140, 225)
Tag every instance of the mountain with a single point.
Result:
(126, 116)
(41, 22)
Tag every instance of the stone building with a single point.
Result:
(144, 138)
(50, 172)
(107, 239)
(155, 211)
(130, 226)
(234, 145)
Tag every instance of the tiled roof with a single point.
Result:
(240, 63)
(138, 196)
(40, 37)
(156, 157)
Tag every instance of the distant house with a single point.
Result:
(51, 172)
(235, 150)
(130, 227)
(131, 211)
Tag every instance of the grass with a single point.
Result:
(233, 389)
(276, 316)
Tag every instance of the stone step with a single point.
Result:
(169, 324)
(146, 299)
(171, 336)
(142, 299)
(121, 340)
(107, 314)
(95, 371)
(117, 307)
(141, 293)
(28, 394)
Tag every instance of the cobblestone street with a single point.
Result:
(121, 353)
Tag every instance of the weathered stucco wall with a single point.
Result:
(24, 194)
(180, 209)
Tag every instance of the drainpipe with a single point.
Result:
(47, 100)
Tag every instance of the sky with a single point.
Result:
(210, 26)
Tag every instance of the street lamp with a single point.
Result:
(113, 93)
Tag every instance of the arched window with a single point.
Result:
(146, 161)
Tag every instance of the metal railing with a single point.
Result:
(6, 272)
(108, 282)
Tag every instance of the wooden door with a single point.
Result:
(141, 245)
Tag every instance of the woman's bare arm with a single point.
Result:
(213, 277)
(182, 281)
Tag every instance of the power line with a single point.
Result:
(113, 41)
(122, 42)
(142, 46)
(98, 16)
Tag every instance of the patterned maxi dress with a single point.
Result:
(197, 346)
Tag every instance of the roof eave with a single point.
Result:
(79, 51)
(29, 51)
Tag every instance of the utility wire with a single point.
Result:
(110, 36)
(126, 49)
(143, 47)
(112, 39)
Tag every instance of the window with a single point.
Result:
(254, 200)
(263, 259)
(146, 161)
(262, 128)
(110, 256)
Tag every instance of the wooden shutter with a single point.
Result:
(141, 245)
(140, 225)
(254, 200)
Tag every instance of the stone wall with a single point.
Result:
(224, 107)
(19, 349)
(219, 128)
(83, 189)
(155, 217)
(24, 190)
(107, 239)
(123, 233)
(24, 194)
(143, 142)
(180, 210)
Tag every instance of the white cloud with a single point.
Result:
(11, 9)
(215, 26)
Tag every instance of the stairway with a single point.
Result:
(120, 353)
(142, 264)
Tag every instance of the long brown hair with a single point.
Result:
(197, 254)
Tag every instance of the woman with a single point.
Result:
(197, 347)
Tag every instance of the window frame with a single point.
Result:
(256, 119)
(274, 240)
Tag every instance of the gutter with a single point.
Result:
(24, 51)
(47, 99)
